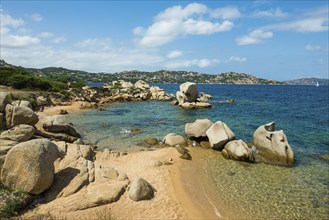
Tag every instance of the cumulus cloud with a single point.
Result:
(254, 37)
(174, 54)
(36, 17)
(277, 12)
(201, 63)
(312, 47)
(177, 21)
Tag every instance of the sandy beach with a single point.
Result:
(180, 193)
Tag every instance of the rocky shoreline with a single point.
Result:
(44, 156)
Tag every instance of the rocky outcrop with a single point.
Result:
(219, 134)
(18, 133)
(239, 150)
(29, 166)
(187, 97)
(41, 100)
(16, 115)
(58, 124)
(190, 91)
(198, 128)
(173, 139)
(140, 84)
(140, 189)
(272, 146)
(3, 101)
(73, 172)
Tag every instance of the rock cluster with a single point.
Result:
(268, 146)
(188, 97)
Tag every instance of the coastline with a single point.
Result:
(178, 195)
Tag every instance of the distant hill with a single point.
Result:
(161, 76)
(308, 81)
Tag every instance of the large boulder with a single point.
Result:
(19, 133)
(29, 166)
(173, 139)
(238, 150)
(3, 101)
(190, 90)
(219, 134)
(58, 124)
(16, 115)
(22, 103)
(198, 128)
(140, 189)
(272, 146)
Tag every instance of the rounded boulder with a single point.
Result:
(29, 166)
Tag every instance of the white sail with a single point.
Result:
(317, 83)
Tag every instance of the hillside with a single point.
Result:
(308, 81)
(161, 76)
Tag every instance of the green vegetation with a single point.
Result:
(18, 78)
(162, 76)
(11, 202)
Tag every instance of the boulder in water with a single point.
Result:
(272, 146)
(219, 134)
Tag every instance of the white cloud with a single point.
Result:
(16, 41)
(303, 25)
(8, 21)
(312, 47)
(225, 13)
(201, 63)
(45, 34)
(255, 37)
(102, 44)
(278, 13)
(36, 17)
(236, 59)
(59, 40)
(176, 21)
(174, 54)
(313, 20)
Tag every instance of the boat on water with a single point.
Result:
(317, 84)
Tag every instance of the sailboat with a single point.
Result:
(317, 84)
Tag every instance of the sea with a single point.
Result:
(251, 191)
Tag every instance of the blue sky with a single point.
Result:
(270, 39)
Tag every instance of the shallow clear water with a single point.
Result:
(254, 190)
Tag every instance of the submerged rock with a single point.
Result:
(238, 150)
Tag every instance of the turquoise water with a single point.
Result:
(254, 190)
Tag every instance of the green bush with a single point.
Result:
(18, 78)
(78, 84)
